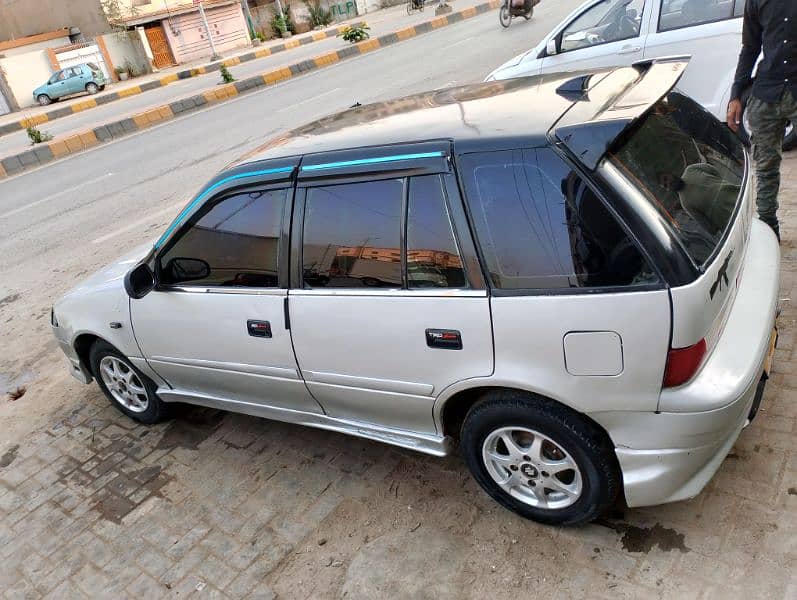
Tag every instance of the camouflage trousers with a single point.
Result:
(768, 123)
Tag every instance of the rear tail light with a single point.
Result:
(683, 363)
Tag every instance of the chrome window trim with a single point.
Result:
(392, 292)
(224, 290)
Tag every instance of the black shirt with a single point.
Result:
(771, 26)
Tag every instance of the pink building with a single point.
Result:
(175, 32)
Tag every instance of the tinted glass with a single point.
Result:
(238, 238)
(432, 256)
(686, 13)
(541, 227)
(607, 21)
(689, 167)
(352, 235)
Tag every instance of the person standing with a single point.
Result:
(769, 26)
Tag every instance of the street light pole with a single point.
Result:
(203, 16)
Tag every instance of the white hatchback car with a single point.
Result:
(606, 33)
(583, 300)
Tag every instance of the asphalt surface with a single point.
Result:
(62, 221)
(381, 23)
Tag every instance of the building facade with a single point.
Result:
(22, 18)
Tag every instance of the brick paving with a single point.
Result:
(219, 505)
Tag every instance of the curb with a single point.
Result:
(50, 151)
(134, 90)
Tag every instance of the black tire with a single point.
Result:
(505, 16)
(587, 445)
(529, 14)
(92, 88)
(44, 99)
(156, 410)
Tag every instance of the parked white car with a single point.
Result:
(607, 33)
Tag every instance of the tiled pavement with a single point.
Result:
(220, 505)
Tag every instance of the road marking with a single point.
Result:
(54, 196)
(312, 99)
(137, 224)
(465, 41)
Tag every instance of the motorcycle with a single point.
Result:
(516, 8)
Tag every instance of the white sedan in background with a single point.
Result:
(606, 33)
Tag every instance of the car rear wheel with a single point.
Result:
(44, 99)
(132, 392)
(92, 88)
(540, 459)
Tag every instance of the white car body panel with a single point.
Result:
(714, 48)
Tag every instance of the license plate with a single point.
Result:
(773, 341)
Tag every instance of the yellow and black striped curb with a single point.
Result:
(134, 90)
(50, 151)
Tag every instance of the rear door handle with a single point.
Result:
(446, 339)
(261, 329)
(629, 49)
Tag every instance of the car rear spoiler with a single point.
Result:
(606, 104)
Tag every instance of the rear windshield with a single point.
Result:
(689, 167)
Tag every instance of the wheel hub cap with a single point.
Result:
(532, 467)
(123, 384)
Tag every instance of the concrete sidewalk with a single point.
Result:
(18, 156)
(380, 22)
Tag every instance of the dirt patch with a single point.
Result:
(191, 429)
(792, 491)
(9, 299)
(17, 393)
(9, 456)
(114, 508)
(644, 539)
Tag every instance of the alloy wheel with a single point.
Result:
(532, 467)
(123, 384)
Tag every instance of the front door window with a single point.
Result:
(605, 22)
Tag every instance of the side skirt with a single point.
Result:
(420, 442)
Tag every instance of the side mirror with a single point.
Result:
(140, 281)
(550, 47)
(186, 269)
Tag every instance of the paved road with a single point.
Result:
(381, 23)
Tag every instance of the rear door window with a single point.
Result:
(676, 14)
(540, 227)
(689, 168)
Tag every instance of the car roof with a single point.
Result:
(497, 112)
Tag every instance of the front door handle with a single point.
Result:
(629, 49)
(261, 329)
(446, 339)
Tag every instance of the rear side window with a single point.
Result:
(233, 243)
(690, 169)
(432, 256)
(676, 14)
(392, 233)
(352, 235)
(541, 227)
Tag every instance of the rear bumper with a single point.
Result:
(671, 455)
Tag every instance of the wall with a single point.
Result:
(188, 39)
(24, 73)
(19, 18)
(124, 47)
(52, 43)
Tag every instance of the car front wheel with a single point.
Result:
(92, 88)
(540, 459)
(132, 392)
